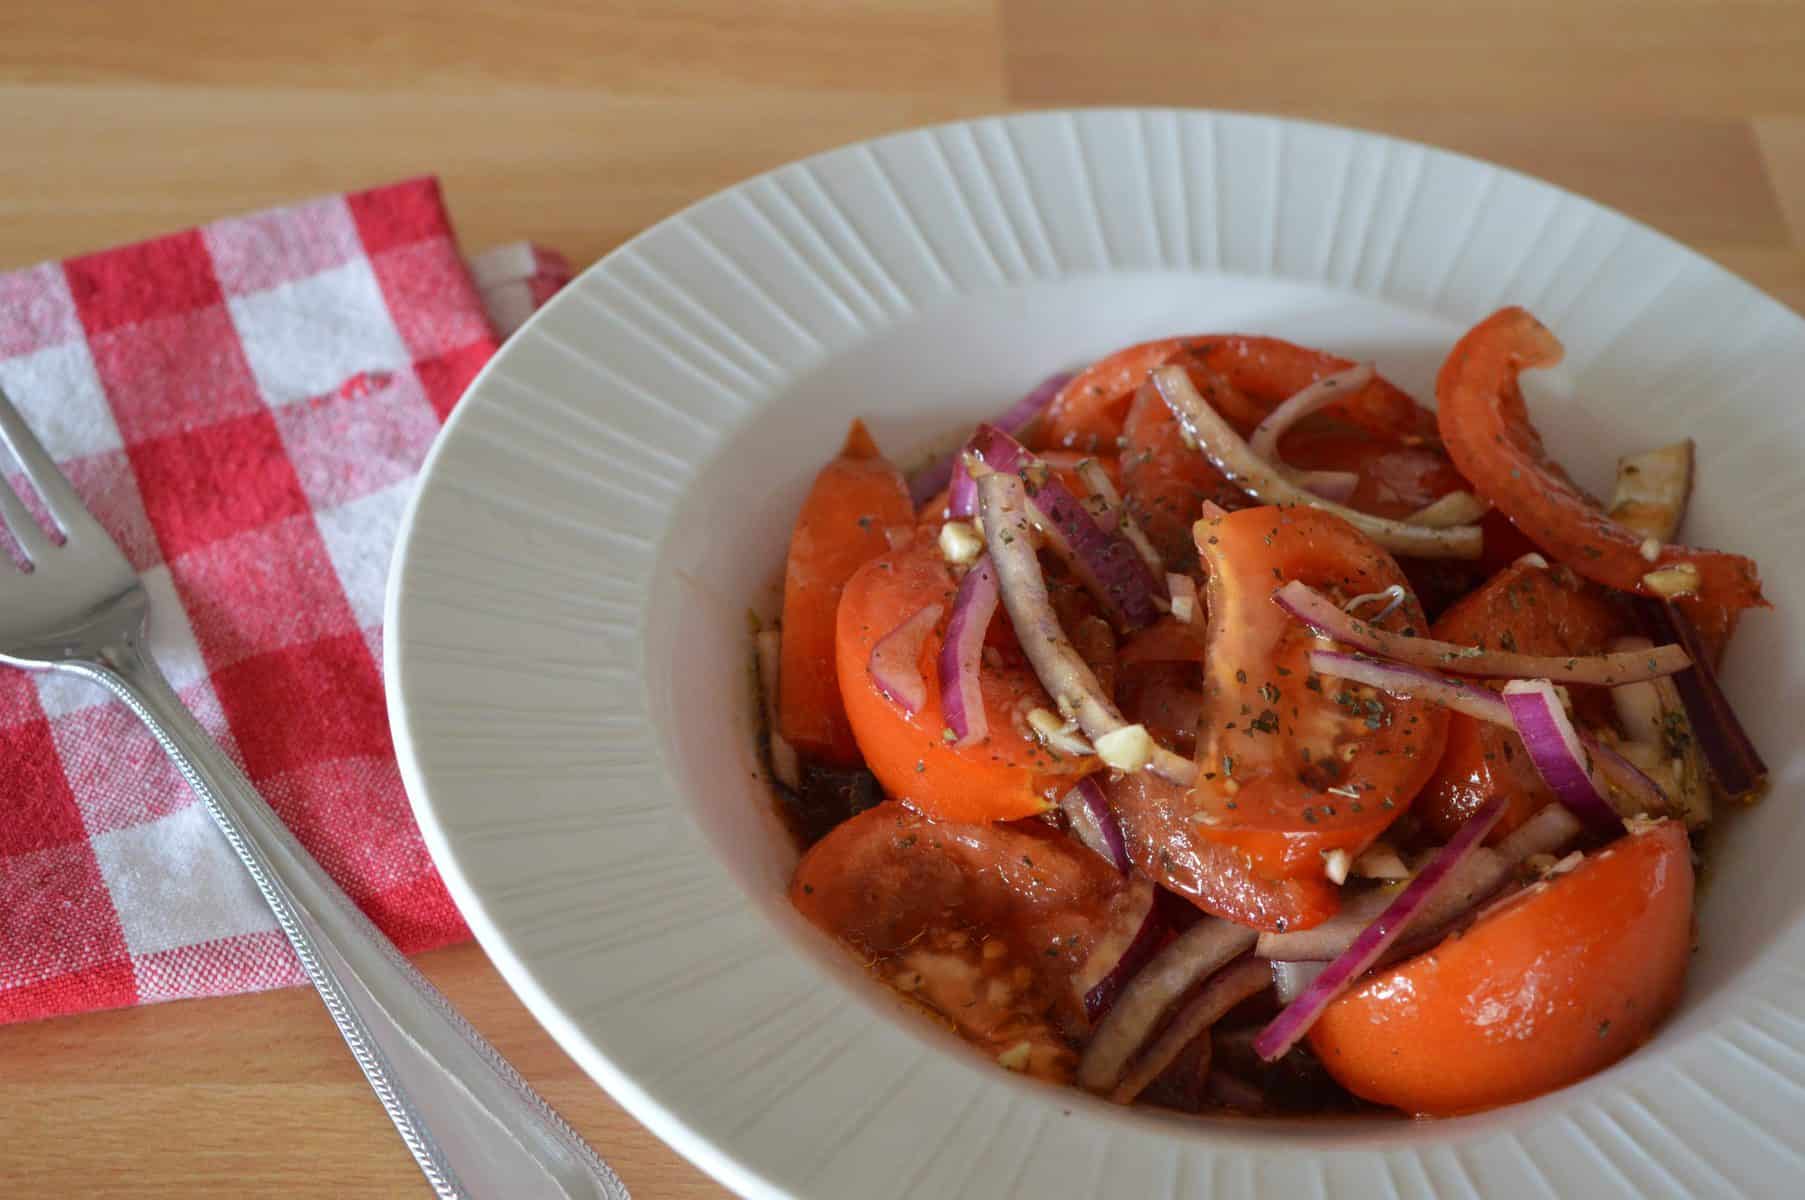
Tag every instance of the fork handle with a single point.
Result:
(476, 1128)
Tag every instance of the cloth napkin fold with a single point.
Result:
(244, 407)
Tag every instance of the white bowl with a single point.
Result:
(567, 640)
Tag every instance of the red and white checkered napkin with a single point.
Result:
(243, 406)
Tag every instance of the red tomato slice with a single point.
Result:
(1011, 774)
(1292, 765)
(1557, 982)
(1534, 610)
(992, 927)
(856, 498)
(1487, 429)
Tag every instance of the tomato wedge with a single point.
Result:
(1487, 430)
(991, 926)
(1007, 776)
(1292, 766)
(1555, 983)
(1534, 610)
(856, 499)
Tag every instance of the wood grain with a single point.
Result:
(578, 122)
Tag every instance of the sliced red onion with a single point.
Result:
(1606, 670)
(1638, 704)
(784, 764)
(961, 655)
(1641, 794)
(927, 483)
(1551, 830)
(1474, 881)
(1225, 989)
(1658, 737)
(1482, 704)
(1231, 1091)
(1560, 759)
(1652, 490)
(1337, 486)
(1732, 756)
(1470, 881)
(1183, 591)
(1455, 508)
(1264, 441)
(1097, 480)
(1194, 955)
(1107, 562)
(895, 664)
(1066, 676)
(1122, 951)
(1289, 979)
(1265, 482)
(1088, 811)
(962, 494)
(994, 448)
(1297, 1017)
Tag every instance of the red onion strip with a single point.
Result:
(1122, 951)
(1606, 670)
(895, 663)
(961, 655)
(1652, 490)
(1068, 679)
(1106, 560)
(1264, 441)
(1225, 989)
(1088, 811)
(1289, 979)
(1097, 480)
(1455, 508)
(1559, 757)
(1729, 751)
(1112, 571)
(1296, 1018)
(1337, 486)
(1263, 481)
(784, 764)
(929, 480)
(1474, 881)
(1482, 704)
(1194, 955)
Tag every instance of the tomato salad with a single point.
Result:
(1219, 728)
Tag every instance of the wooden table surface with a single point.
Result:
(579, 122)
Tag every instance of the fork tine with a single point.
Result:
(58, 496)
(23, 526)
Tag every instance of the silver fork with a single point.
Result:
(476, 1128)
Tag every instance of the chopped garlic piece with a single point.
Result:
(1184, 608)
(1680, 579)
(1057, 732)
(1641, 822)
(1016, 1057)
(1532, 559)
(1335, 864)
(959, 542)
(1126, 749)
(1651, 549)
(1380, 861)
